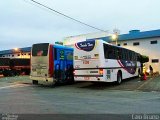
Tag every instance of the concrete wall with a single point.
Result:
(18, 55)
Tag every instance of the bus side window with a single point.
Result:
(127, 53)
(123, 54)
(55, 53)
(135, 56)
(119, 53)
(105, 47)
(111, 52)
(115, 53)
(130, 55)
(138, 57)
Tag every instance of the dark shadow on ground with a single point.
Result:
(132, 84)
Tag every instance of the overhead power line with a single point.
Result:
(67, 16)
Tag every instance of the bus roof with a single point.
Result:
(57, 46)
(62, 47)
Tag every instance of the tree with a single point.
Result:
(144, 59)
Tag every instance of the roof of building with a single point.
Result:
(11, 51)
(134, 34)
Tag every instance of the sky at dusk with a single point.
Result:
(23, 23)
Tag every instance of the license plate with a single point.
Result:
(85, 62)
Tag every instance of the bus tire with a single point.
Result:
(139, 73)
(119, 78)
(35, 82)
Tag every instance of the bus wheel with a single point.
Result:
(35, 82)
(139, 73)
(119, 78)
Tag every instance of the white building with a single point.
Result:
(146, 43)
(71, 40)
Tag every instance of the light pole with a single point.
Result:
(17, 50)
(115, 38)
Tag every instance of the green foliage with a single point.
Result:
(60, 43)
(144, 59)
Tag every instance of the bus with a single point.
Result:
(97, 60)
(51, 64)
(14, 66)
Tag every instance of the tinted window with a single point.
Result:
(154, 42)
(110, 52)
(125, 44)
(40, 49)
(113, 52)
(119, 53)
(135, 43)
(55, 53)
(155, 60)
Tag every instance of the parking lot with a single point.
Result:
(18, 95)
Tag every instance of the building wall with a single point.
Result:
(17, 55)
(145, 48)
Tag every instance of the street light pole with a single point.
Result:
(115, 35)
(17, 50)
(115, 38)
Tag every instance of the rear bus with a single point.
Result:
(88, 62)
(51, 64)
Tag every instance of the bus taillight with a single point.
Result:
(51, 63)
(73, 72)
(101, 71)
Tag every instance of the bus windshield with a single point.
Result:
(40, 49)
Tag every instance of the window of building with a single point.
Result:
(12, 55)
(155, 60)
(18, 54)
(135, 43)
(29, 53)
(125, 44)
(154, 42)
(118, 44)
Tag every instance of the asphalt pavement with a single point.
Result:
(133, 96)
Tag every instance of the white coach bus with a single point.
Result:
(97, 60)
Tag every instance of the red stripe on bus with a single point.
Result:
(119, 62)
(77, 46)
(51, 69)
(122, 66)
